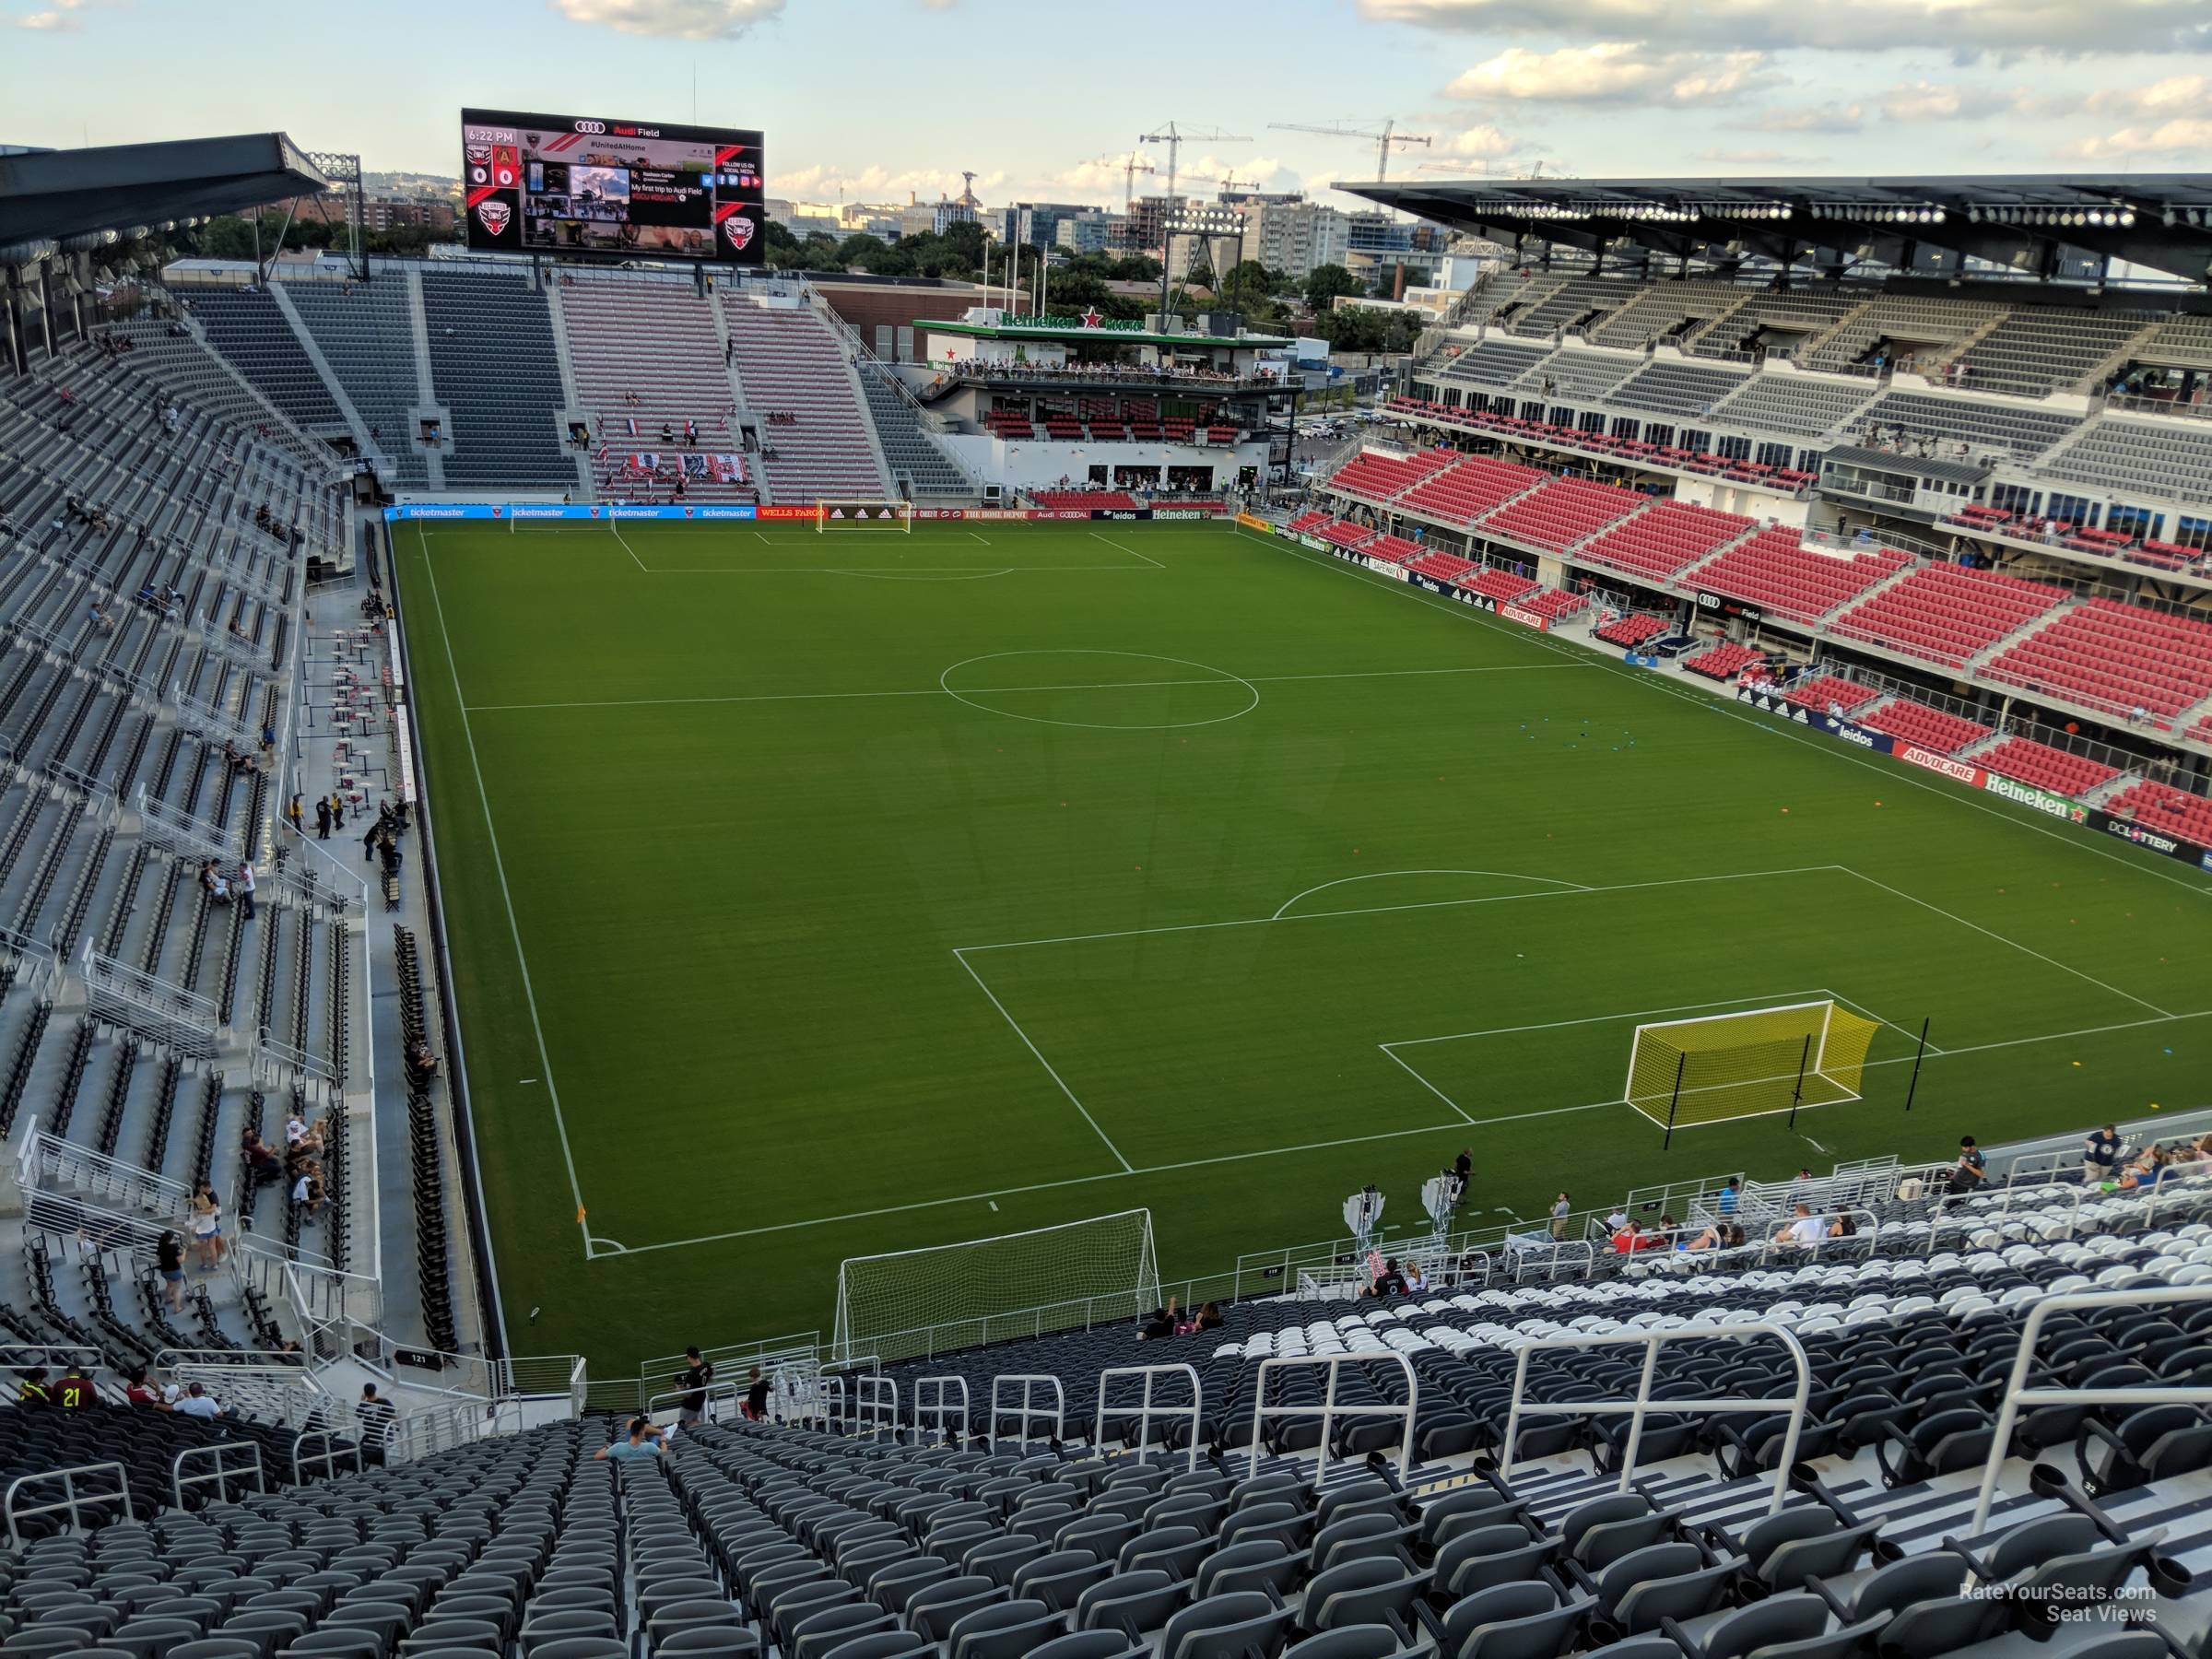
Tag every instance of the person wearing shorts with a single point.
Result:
(206, 1227)
(169, 1257)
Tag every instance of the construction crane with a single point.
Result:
(1130, 167)
(1172, 137)
(1387, 136)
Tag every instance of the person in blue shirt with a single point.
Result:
(644, 1444)
(1726, 1198)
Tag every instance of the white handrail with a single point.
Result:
(2018, 1394)
(1026, 1413)
(1643, 1406)
(876, 1402)
(1147, 1411)
(71, 1498)
(179, 1480)
(939, 1407)
(2003, 1206)
(1330, 1410)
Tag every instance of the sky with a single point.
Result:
(879, 100)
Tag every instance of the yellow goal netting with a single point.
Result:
(1685, 1072)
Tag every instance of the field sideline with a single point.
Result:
(817, 895)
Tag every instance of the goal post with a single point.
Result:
(912, 1302)
(1683, 1072)
(863, 513)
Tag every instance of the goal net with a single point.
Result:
(864, 516)
(951, 1296)
(1685, 1072)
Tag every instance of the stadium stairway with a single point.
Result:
(803, 392)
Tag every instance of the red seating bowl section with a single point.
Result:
(1722, 662)
(2162, 807)
(1665, 538)
(1344, 534)
(2116, 657)
(1847, 695)
(1379, 477)
(1502, 585)
(1776, 570)
(1464, 493)
(1560, 513)
(2200, 732)
(1947, 613)
(1305, 522)
(1928, 728)
(2046, 768)
(1075, 501)
(1632, 630)
(1553, 603)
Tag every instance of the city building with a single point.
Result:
(407, 213)
(1092, 231)
(1293, 235)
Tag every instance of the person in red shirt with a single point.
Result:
(74, 1391)
(140, 1392)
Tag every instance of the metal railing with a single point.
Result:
(1993, 1205)
(325, 1462)
(46, 1164)
(933, 1403)
(246, 1452)
(1831, 1244)
(1643, 1406)
(2018, 1394)
(874, 1404)
(1329, 1410)
(1023, 1411)
(1146, 1408)
(72, 1502)
(708, 1396)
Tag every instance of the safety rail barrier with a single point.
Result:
(709, 1397)
(875, 1404)
(2007, 1201)
(1330, 1410)
(1554, 1258)
(1023, 1412)
(326, 1463)
(47, 1164)
(1829, 1245)
(936, 1409)
(221, 1474)
(2018, 1394)
(1146, 1408)
(72, 1501)
(1643, 1406)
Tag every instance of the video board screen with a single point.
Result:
(625, 189)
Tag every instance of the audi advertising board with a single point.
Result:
(621, 189)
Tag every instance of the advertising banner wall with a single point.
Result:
(675, 513)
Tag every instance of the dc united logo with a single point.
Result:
(739, 229)
(687, 513)
(494, 216)
(595, 512)
(497, 511)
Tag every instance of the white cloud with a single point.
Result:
(673, 19)
(2176, 95)
(55, 19)
(1961, 26)
(1911, 102)
(1754, 158)
(822, 182)
(1614, 72)
(1484, 142)
(2184, 134)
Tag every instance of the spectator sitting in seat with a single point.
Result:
(262, 1161)
(302, 1137)
(1209, 1317)
(32, 1390)
(138, 1391)
(422, 1065)
(307, 1193)
(1806, 1230)
(198, 1403)
(2149, 1167)
(75, 1392)
(218, 889)
(644, 1444)
(756, 1396)
(1160, 1323)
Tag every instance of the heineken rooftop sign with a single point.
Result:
(1090, 318)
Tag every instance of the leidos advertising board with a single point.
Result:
(624, 189)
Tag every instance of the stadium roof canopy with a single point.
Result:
(55, 196)
(2029, 222)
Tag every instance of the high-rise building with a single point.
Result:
(1037, 223)
(1091, 231)
(1293, 235)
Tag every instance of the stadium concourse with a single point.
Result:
(1970, 1417)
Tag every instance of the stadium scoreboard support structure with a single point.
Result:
(1754, 1064)
(910, 1303)
(872, 514)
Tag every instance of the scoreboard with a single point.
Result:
(623, 189)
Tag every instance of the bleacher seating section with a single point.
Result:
(366, 336)
(1632, 630)
(1723, 661)
(2149, 455)
(655, 342)
(1665, 538)
(1377, 477)
(1086, 500)
(2115, 658)
(1927, 729)
(1947, 614)
(1794, 403)
(1560, 513)
(789, 363)
(1676, 388)
(2032, 353)
(1499, 584)
(1465, 490)
(498, 374)
(1399, 550)
(1553, 604)
(2161, 807)
(1976, 427)
(910, 452)
(2038, 763)
(1773, 569)
(1902, 328)
(246, 327)
(1823, 692)
(1492, 363)
(1571, 375)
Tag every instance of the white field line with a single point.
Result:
(611, 525)
(499, 865)
(1121, 547)
(1381, 875)
(984, 539)
(1265, 679)
(1559, 1025)
(1038, 1053)
(1938, 910)
(1424, 1082)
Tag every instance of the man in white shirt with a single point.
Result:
(198, 1403)
(1808, 1230)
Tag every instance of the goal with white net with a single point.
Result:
(911, 1303)
(864, 516)
(1687, 1072)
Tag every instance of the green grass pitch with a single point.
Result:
(813, 896)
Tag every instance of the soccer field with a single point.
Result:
(812, 896)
